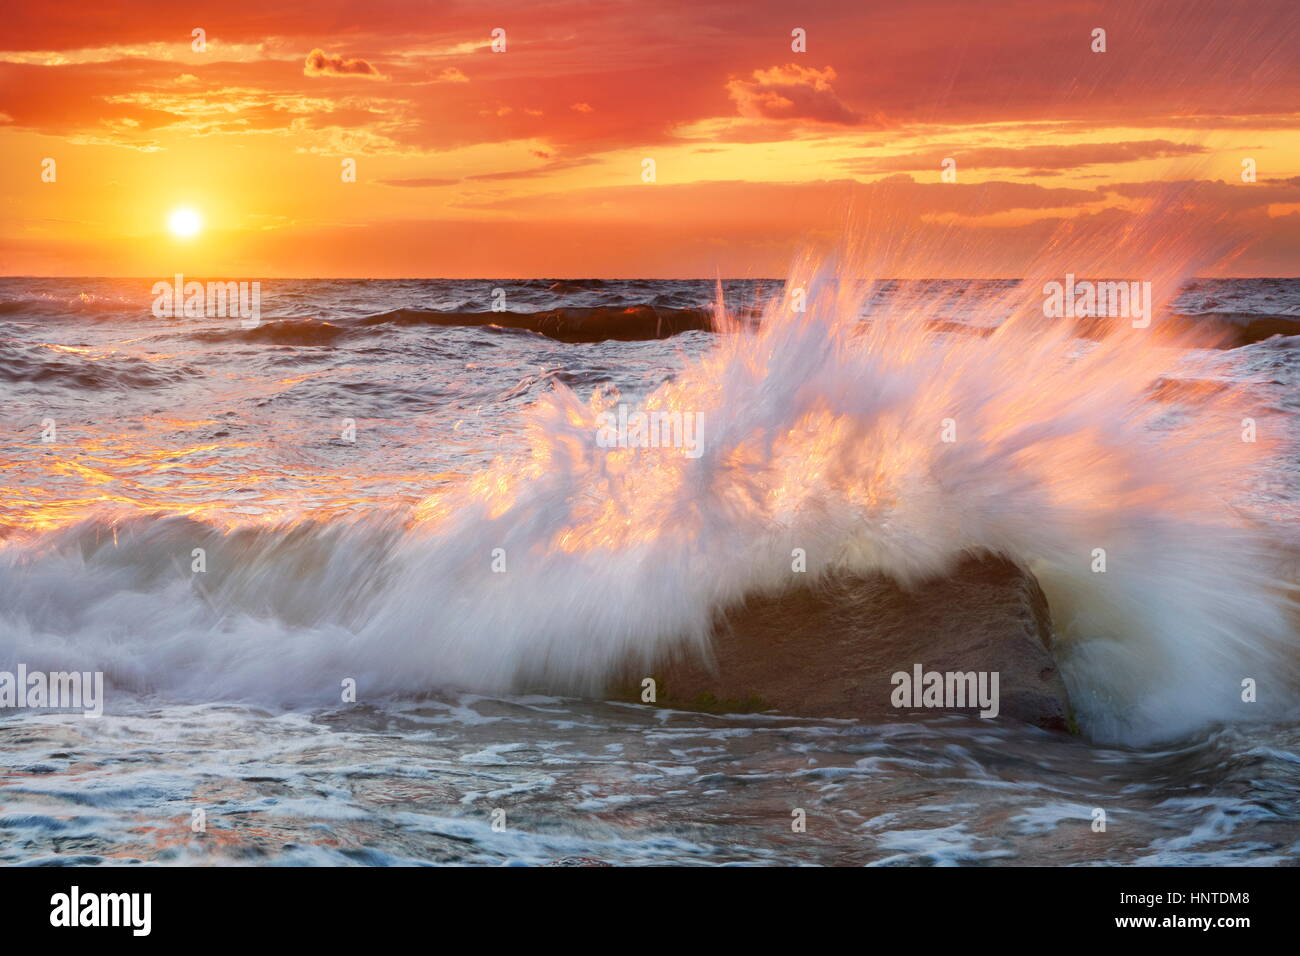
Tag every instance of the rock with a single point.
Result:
(577, 861)
(830, 650)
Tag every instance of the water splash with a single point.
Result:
(559, 569)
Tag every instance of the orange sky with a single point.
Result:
(529, 162)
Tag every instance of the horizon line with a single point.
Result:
(642, 278)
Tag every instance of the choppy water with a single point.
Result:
(177, 433)
(418, 781)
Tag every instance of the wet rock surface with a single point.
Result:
(831, 649)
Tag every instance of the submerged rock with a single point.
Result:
(832, 649)
(577, 861)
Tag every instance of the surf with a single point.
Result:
(868, 434)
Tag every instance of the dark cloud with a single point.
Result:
(320, 63)
(791, 92)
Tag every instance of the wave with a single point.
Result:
(649, 322)
(591, 324)
(572, 325)
(67, 367)
(1223, 330)
(301, 332)
(876, 448)
(1235, 329)
(84, 306)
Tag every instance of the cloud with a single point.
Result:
(1220, 196)
(928, 67)
(418, 183)
(799, 206)
(791, 92)
(554, 166)
(1040, 159)
(1015, 89)
(320, 63)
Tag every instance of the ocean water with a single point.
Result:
(349, 472)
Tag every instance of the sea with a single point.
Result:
(356, 572)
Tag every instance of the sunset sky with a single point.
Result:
(529, 162)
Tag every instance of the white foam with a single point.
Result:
(818, 434)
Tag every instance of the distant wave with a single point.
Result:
(40, 365)
(645, 322)
(83, 306)
(1226, 330)
(1243, 328)
(593, 324)
(306, 332)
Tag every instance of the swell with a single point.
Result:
(647, 322)
(43, 365)
(295, 332)
(591, 324)
(84, 307)
(1224, 330)
(571, 325)
(1236, 329)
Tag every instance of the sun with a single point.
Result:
(184, 223)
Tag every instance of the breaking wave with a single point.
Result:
(886, 447)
